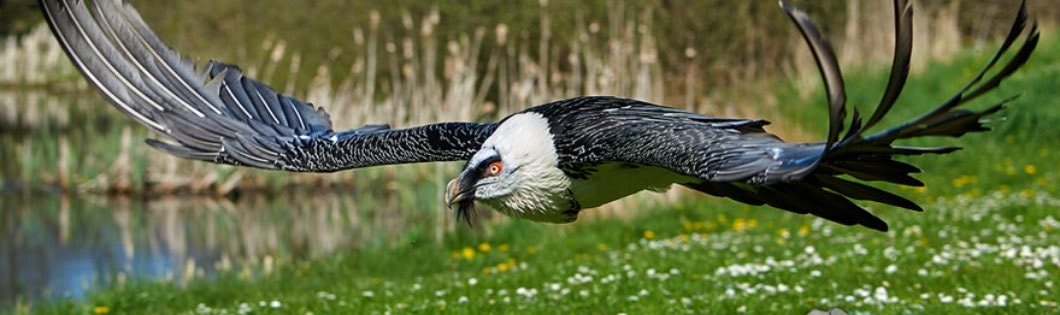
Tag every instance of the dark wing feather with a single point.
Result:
(829, 68)
(217, 114)
(903, 52)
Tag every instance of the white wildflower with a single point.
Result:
(244, 309)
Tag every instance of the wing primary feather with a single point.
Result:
(258, 100)
(288, 107)
(865, 192)
(229, 97)
(170, 62)
(903, 51)
(825, 58)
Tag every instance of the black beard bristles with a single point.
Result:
(466, 210)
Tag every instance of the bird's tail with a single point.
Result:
(820, 187)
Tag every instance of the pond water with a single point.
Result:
(59, 246)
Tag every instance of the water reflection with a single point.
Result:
(58, 246)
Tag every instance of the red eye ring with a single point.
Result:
(494, 169)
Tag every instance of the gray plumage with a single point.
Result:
(547, 162)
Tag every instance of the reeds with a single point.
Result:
(34, 59)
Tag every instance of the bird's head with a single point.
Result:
(516, 173)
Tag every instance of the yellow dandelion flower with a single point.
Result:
(601, 247)
(963, 181)
(468, 253)
(484, 247)
(502, 267)
(804, 230)
(531, 249)
(648, 234)
(783, 233)
(1030, 169)
(101, 310)
(503, 248)
(741, 224)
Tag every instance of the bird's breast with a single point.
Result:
(593, 186)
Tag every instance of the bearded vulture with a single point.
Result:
(547, 162)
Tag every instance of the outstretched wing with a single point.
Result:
(216, 114)
(737, 159)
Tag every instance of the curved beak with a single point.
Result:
(456, 192)
(460, 192)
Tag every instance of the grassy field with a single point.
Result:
(987, 243)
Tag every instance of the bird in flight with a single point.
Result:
(548, 162)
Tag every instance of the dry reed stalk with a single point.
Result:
(120, 173)
(34, 59)
(63, 163)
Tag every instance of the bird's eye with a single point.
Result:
(494, 169)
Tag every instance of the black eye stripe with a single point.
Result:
(483, 167)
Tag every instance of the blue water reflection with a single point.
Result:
(58, 246)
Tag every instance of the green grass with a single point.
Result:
(987, 243)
